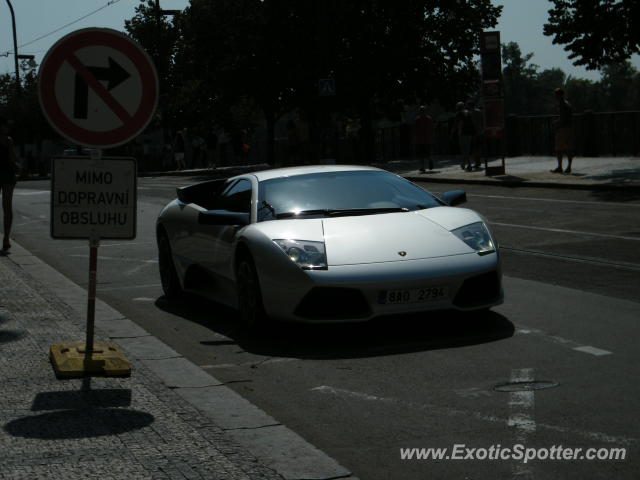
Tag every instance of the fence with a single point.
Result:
(595, 134)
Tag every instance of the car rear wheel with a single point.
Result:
(168, 275)
(250, 304)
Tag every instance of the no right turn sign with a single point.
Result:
(98, 87)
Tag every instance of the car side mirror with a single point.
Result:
(454, 197)
(223, 217)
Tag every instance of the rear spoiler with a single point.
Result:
(202, 193)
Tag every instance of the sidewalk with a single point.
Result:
(169, 420)
(534, 171)
(591, 173)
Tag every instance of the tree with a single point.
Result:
(547, 81)
(596, 32)
(377, 51)
(529, 92)
(159, 38)
(232, 51)
(23, 109)
(585, 95)
(408, 50)
(519, 78)
(619, 86)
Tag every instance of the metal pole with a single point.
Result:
(15, 46)
(94, 243)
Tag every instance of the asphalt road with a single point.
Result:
(363, 392)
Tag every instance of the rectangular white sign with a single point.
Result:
(93, 197)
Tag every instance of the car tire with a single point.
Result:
(168, 275)
(250, 306)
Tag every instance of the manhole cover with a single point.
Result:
(525, 386)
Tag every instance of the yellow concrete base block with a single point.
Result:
(68, 360)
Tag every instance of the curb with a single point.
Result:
(525, 184)
(271, 442)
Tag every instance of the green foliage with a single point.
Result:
(160, 38)
(519, 78)
(275, 51)
(530, 92)
(596, 32)
(585, 95)
(22, 109)
(620, 86)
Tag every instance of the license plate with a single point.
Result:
(415, 295)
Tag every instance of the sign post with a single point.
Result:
(94, 243)
(493, 96)
(94, 199)
(97, 88)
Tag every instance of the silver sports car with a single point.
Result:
(326, 244)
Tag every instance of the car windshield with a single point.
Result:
(323, 194)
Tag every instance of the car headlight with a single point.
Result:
(477, 236)
(306, 254)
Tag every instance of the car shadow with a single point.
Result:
(617, 195)
(387, 335)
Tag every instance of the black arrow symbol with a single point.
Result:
(114, 74)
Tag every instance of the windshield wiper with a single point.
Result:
(301, 213)
(266, 205)
(366, 211)
(329, 212)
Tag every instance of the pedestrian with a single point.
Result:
(476, 142)
(9, 169)
(423, 138)
(304, 135)
(223, 147)
(198, 150)
(564, 131)
(245, 147)
(464, 128)
(178, 149)
(352, 134)
(211, 142)
(293, 142)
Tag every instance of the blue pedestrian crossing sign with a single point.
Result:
(326, 87)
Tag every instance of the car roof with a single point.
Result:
(293, 171)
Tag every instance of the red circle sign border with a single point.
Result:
(69, 45)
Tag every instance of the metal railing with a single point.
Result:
(594, 134)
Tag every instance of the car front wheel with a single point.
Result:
(250, 305)
(168, 276)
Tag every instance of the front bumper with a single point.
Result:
(349, 293)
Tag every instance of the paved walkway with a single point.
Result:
(169, 420)
(587, 172)
(534, 171)
(106, 428)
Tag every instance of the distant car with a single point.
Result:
(326, 244)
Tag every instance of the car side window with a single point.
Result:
(236, 197)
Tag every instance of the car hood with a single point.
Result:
(380, 238)
(395, 236)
